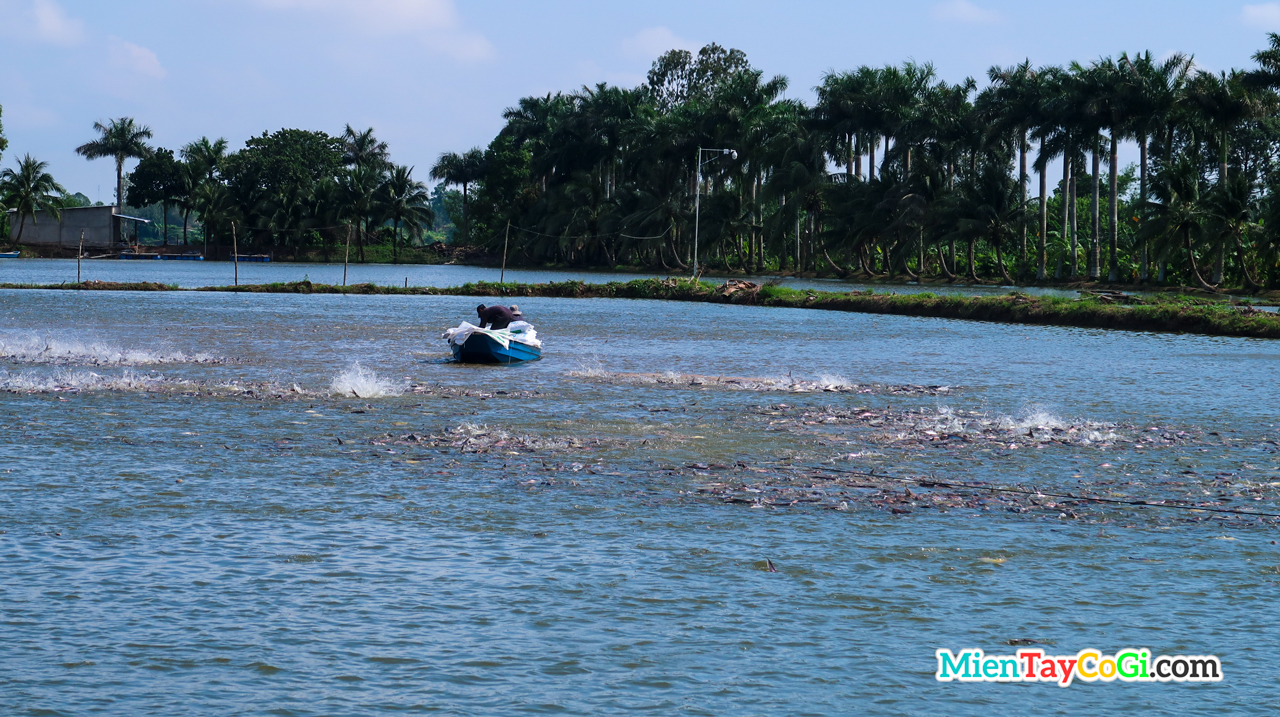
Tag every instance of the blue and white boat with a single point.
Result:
(10, 254)
(472, 344)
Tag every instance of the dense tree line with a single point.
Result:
(895, 172)
(289, 189)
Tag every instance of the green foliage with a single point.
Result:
(158, 179)
(273, 164)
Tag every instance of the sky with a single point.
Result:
(435, 75)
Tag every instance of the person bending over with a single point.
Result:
(498, 317)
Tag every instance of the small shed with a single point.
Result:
(102, 227)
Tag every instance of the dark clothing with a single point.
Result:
(499, 317)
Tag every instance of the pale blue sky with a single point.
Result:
(435, 75)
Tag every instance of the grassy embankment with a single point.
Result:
(1177, 313)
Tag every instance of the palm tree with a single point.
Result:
(460, 169)
(1150, 91)
(31, 189)
(1016, 91)
(205, 157)
(1177, 217)
(359, 186)
(121, 139)
(363, 149)
(405, 202)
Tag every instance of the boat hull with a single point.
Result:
(10, 254)
(479, 348)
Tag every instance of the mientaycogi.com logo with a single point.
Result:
(1089, 665)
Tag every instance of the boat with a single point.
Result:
(138, 255)
(265, 258)
(472, 344)
(10, 254)
(182, 257)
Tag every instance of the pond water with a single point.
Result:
(218, 504)
(189, 274)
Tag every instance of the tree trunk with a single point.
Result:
(1113, 275)
(165, 208)
(1144, 271)
(120, 183)
(1075, 226)
(395, 241)
(186, 214)
(973, 267)
(1249, 281)
(1066, 206)
(1191, 261)
(1022, 189)
(871, 159)
(1041, 260)
(1000, 262)
(1095, 238)
(942, 263)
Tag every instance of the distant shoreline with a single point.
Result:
(1178, 314)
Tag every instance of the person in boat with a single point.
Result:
(515, 313)
(496, 316)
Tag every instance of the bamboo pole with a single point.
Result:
(346, 257)
(235, 253)
(505, 239)
(79, 255)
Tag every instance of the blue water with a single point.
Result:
(220, 273)
(184, 533)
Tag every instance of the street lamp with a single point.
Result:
(697, 201)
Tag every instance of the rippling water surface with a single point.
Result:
(221, 273)
(293, 505)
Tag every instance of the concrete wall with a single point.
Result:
(101, 228)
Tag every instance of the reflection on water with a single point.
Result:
(214, 273)
(326, 518)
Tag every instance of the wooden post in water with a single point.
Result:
(235, 253)
(79, 255)
(505, 239)
(346, 257)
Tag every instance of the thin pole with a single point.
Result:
(346, 257)
(78, 255)
(502, 278)
(235, 253)
(697, 209)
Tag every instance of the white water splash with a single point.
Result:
(1030, 418)
(360, 382)
(835, 382)
(35, 349)
(73, 381)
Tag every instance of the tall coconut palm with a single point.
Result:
(30, 189)
(1177, 215)
(1017, 93)
(1151, 90)
(405, 202)
(120, 139)
(463, 170)
(363, 149)
(201, 161)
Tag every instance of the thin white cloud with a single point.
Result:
(651, 42)
(965, 12)
(52, 24)
(1265, 16)
(135, 58)
(435, 22)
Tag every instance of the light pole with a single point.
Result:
(697, 198)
